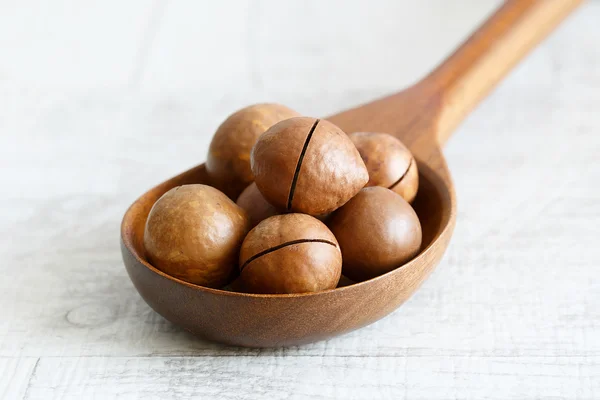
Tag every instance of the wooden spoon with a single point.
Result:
(422, 116)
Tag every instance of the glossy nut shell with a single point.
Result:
(389, 162)
(290, 253)
(228, 160)
(307, 165)
(255, 205)
(378, 231)
(194, 232)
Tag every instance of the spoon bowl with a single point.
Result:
(283, 320)
(422, 116)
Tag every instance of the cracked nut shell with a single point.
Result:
(255, 205)
(194, 232)
(228, 160)
(307, 165)
(389, 162)
(290, 253)
(378, 231)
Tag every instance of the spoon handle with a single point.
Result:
(469, 74)
(424, 115)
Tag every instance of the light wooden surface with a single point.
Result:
(90, 120)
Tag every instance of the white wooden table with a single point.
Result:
(101, 100)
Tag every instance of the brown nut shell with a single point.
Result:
(255, 205)
(307, 165)
(378, 231)
(228, 160)
(193, 232)
(290, 253)
(389, 162)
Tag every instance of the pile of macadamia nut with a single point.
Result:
(313, 203)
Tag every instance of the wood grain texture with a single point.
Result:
(396, 378)
(15, 376)
(518, 285)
